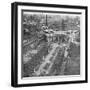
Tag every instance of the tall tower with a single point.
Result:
(46, 20)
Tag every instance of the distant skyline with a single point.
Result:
(44, 13)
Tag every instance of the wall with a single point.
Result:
(5, 46)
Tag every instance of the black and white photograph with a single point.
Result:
(49, 44)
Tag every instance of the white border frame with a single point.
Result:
(52, 78)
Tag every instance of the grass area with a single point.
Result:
(36, 60)
(73, 64)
